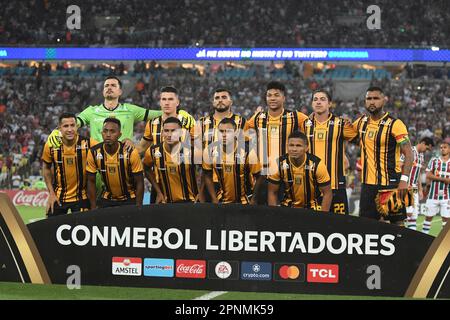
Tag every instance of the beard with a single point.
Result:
(221, 108)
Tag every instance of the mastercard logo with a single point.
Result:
(289, 272)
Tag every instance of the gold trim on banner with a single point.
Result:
(25, 243)
(429, 267)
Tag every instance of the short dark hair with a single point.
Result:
(298, 135)
(115, 78)
(222, 90)
(169, 89)
(427, 141)
(228, 121)
(371, 89)
(113, 120)
(67, 115)
(322, 91)
(276, 85)
(445, 142)
(172, 120)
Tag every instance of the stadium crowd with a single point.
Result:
(226, 23)
(30, 105)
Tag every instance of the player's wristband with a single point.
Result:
(405, 178)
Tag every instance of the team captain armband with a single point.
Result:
(401, 139)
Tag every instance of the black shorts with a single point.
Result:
(76, 206)
(368, 206)
(105, 203)
(339, 203)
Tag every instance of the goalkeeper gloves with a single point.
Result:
(54, 140)
(187, 121)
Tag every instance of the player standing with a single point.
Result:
(67, 187)
(326, 135)
(438, 171)
(412, 212)
(382, 139)
(272, 128)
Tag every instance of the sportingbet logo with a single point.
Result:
(158, 267)
(191, 269)
(324, 273)
(122, 266)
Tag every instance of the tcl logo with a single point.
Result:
(191, 269)
(326, 273)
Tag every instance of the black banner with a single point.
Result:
(231, 248)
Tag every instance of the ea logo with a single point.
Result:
(223, 270)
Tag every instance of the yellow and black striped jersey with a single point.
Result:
(117, 171)
(380, 143)
(175, 171)
(272, 134)
(233, 169)
(301, 184)
(69, 168)
(153, 130)
(209, 125)
(326, 141)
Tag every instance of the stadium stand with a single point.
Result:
(226, 23)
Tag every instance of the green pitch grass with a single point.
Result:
(19, 291)
(61, 292)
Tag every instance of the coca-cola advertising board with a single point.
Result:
(30, 198)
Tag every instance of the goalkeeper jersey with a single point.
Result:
(128, 114)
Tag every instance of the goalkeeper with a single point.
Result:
(128, 114)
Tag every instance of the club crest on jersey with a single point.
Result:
(158, 154)
(285, 166)
(207, 121)
(262, 116)
(309, 123)
(99, 156)
(121, 156)
(156, 121)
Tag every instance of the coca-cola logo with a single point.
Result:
(30, 198)
(191, 269)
